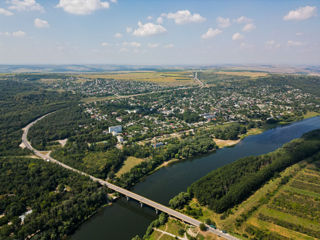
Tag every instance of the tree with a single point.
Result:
(203, 227)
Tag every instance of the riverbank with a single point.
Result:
(168, 181)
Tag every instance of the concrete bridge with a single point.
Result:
(128, 194)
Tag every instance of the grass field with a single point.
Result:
(161, 78)
(310, 114)
(129, 163)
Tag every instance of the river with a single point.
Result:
(125, 219)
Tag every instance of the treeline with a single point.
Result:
(230, 132)
(225, 187)
(20, 103)
(188, 147)
(60, 200)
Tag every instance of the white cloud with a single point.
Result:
(153, 45)
(211, 33)
(128, 29)
(149, 18)
(185, 16)
(105, 44)
(82, 7)
(237, 36)
(248, 27)
(169, 45)
(160, 20)
(5, 12)
(39, 23)
(19, 34)
(118, 35)
(131, 44)
(25, 5)
(292, 43)
(223, 22)
(301, 13)
(114, 1)
(242, 19)
(148, 29)
(299, 34)
(7, 34)
(271, 44)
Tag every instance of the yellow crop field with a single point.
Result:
(162, 78)
(245, 74)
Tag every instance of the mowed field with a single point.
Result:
(129, 163)
(161, 78)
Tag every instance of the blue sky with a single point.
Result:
(159, 32)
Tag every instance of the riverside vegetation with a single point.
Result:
(261, 197)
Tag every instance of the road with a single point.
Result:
(198, 80)
(142, 200)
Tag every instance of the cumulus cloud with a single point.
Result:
(223, 22)
(105, 44)
(153, 45)
(114, 1)
(248, 27)
(39, 23)
(211, 33)
(271, 44)
(82, 7)
(243, 19)
(148, 29)
(25, 5)
(184, 16)
(5, 12)
(131, 44)
(237, 36)
(301, 13)
(160, 20)
(128, 29)
(169, 45)
(118, 35)
(292, 43)
(19, 34)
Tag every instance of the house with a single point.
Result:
(157, 145)
(120, 139)
(115, 129)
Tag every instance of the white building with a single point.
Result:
(116, 129)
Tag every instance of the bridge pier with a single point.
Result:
(157, 211)
(127, 198)
(141, 204)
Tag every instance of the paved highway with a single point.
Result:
(125, 192)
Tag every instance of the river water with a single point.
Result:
(125, 219)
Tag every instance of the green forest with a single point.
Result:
(227, 186)
(59, 199)
(21, 103)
